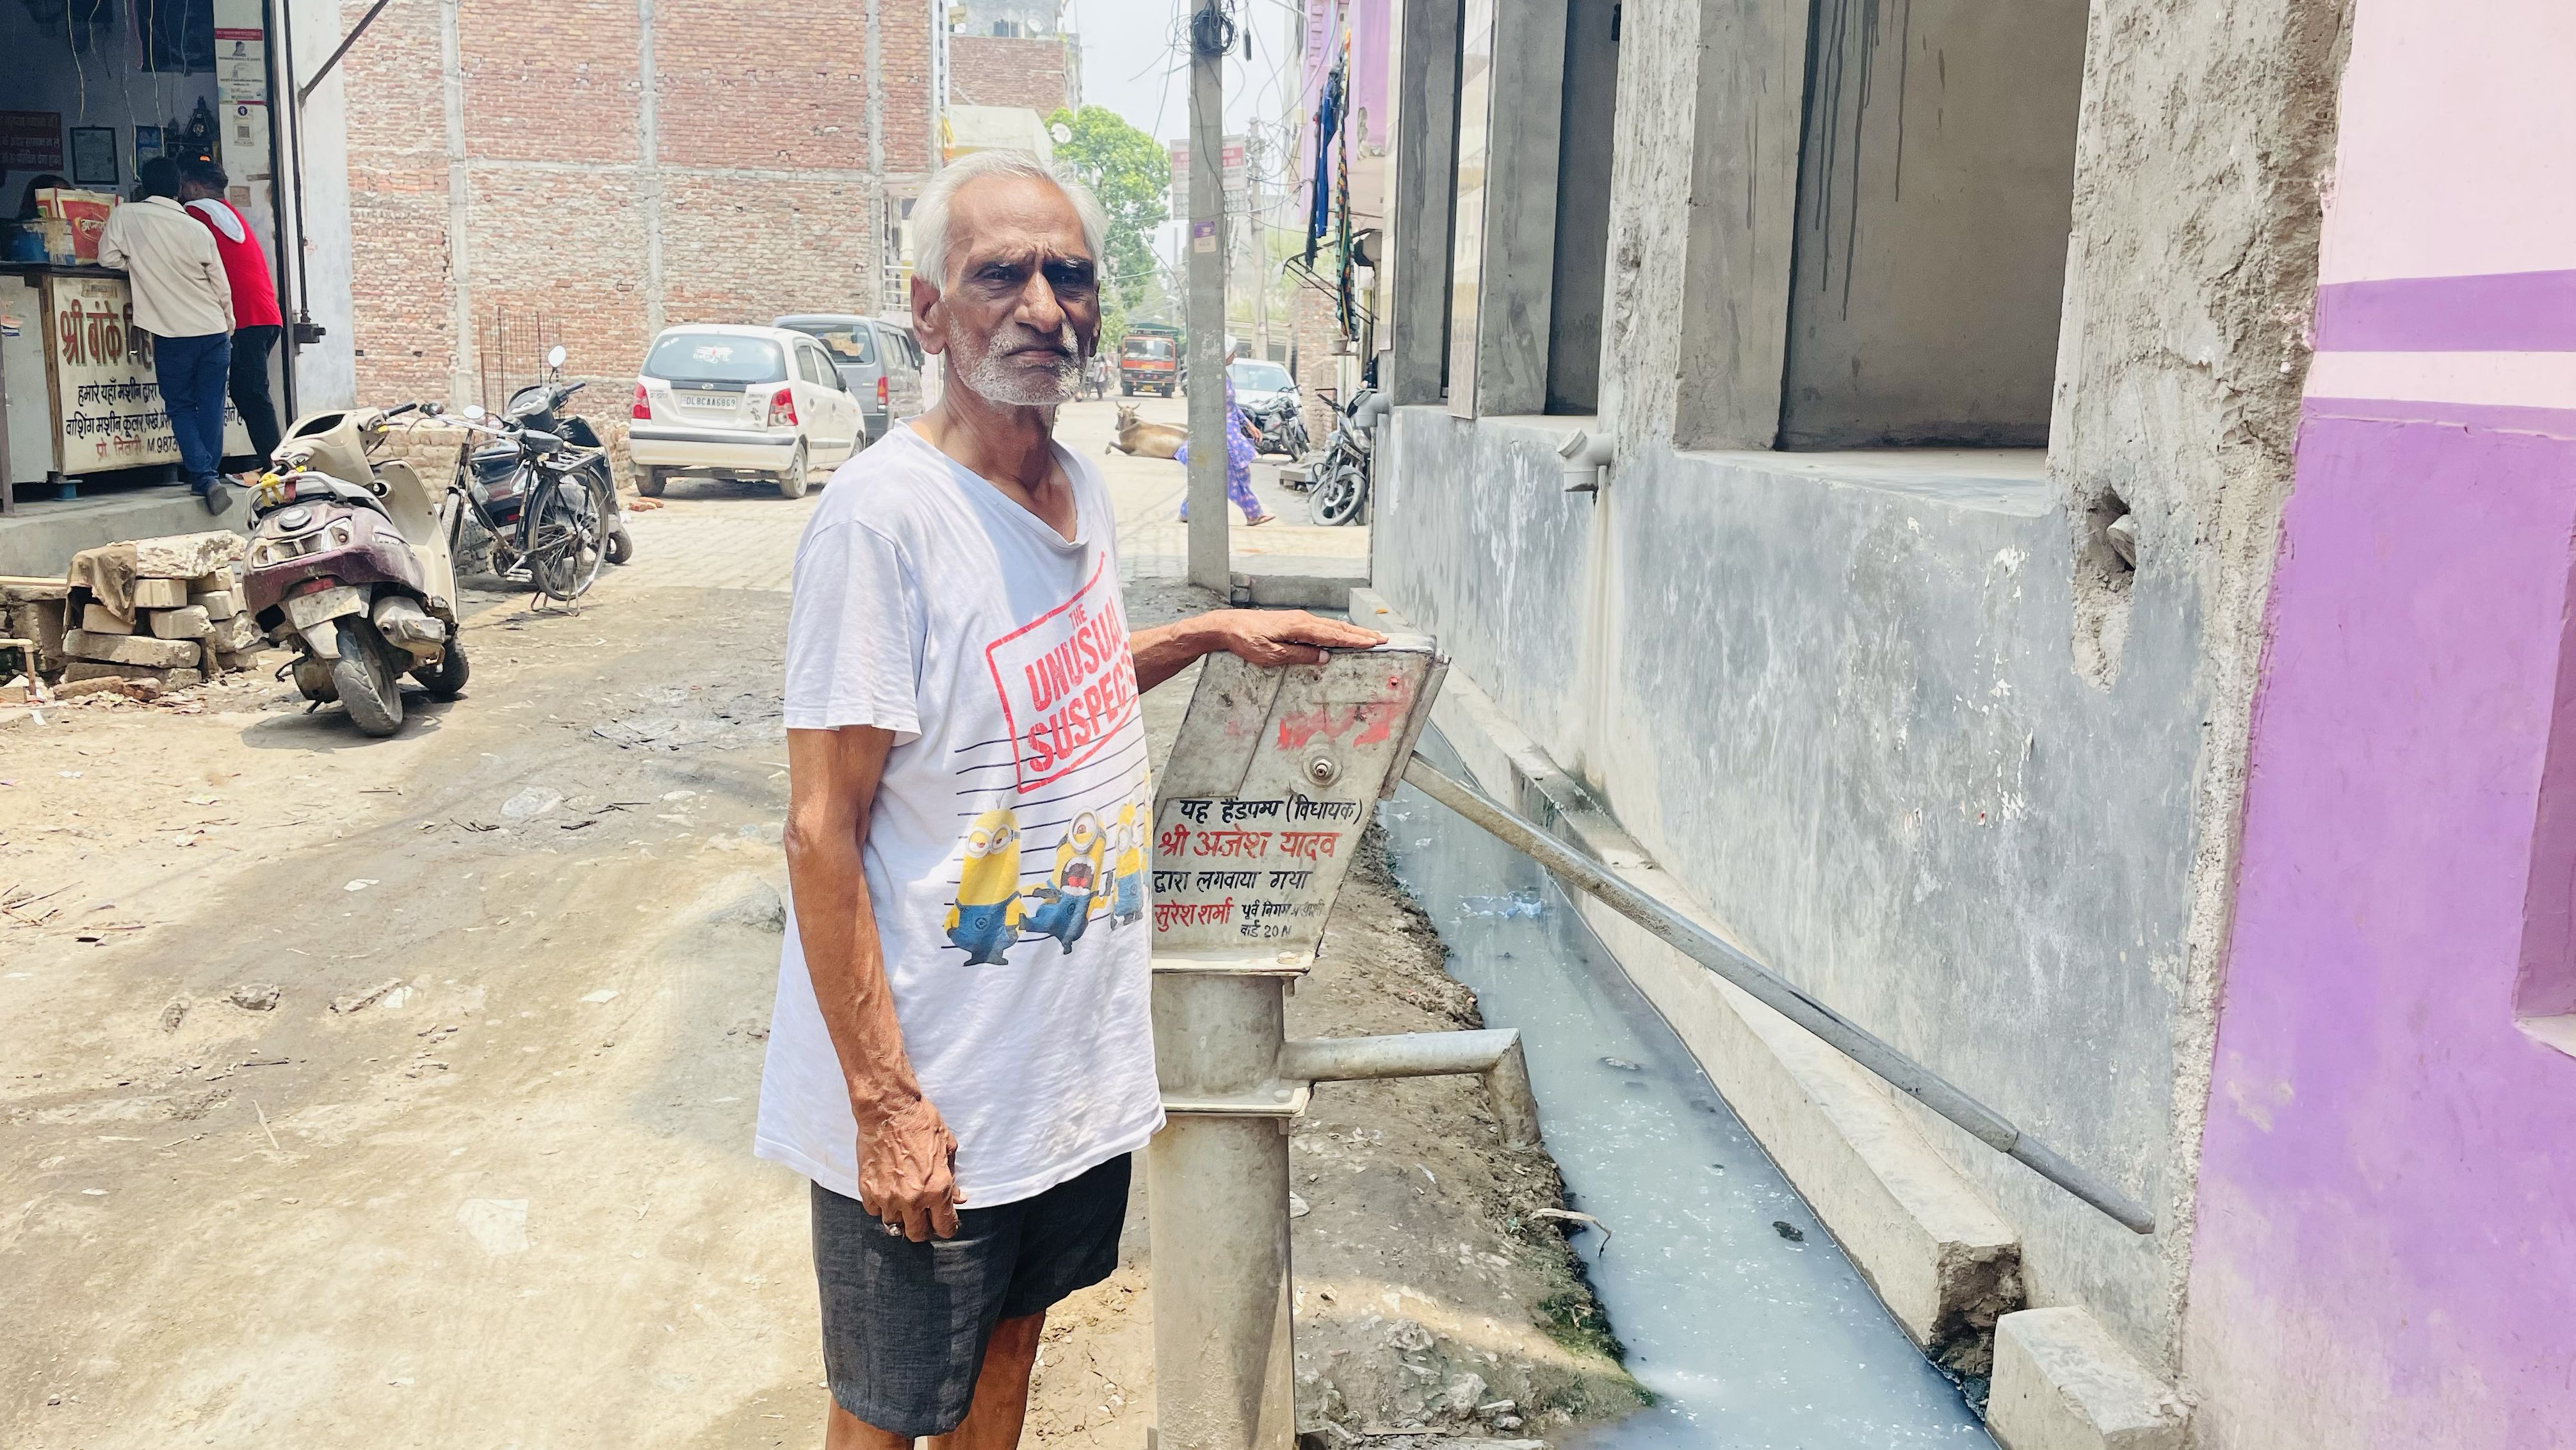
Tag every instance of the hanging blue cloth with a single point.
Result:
(1328, 123)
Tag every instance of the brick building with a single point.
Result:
(1033, 71)
(592, 172)
(1013, 53)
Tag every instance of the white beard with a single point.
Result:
(999, 379)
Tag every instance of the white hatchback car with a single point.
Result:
(740, 402)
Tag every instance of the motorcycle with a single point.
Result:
(539, 405)
(349, 566)
(1340, 478)
(1279, 426)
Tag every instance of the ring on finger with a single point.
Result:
(893, 1227)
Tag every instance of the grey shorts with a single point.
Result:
(905, 1324)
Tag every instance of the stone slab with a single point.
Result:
(183, 557)
(96, 619)
(79, 670)
(218, 603)
(130, 649)
(2063, 1383)
(189, 623)
(159, 593)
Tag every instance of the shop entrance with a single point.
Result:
(99, 87)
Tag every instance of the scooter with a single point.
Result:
(348, 566)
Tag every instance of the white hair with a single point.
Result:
(930, 212)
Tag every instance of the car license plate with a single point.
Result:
(722, 402)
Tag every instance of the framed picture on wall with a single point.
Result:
(147, 146)
(94, 156)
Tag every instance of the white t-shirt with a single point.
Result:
(1007, 848)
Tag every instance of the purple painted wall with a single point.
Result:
(2386, 1243)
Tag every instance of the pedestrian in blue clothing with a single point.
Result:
(1238, 464)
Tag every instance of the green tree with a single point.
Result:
(1132, 175)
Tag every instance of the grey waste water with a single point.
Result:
(1751, 1338)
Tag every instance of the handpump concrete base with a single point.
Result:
(1274, 777)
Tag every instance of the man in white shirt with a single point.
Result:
(184, 300)
(961, 1055)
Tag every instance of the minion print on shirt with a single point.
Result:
(1127, 870)
(1055, 833)
(1064, 902)
(986, 917)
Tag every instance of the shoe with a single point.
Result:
(1264, 519)
(217, 497)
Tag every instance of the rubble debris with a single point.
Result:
(361, 1001)
(108, 684)
(175, 1013)
(1463, 1394)
(256, 996)
(536, 800)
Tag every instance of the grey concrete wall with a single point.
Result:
(1582, 253)
(1843, 717)
(1417, 224)
(1891, 718)
(1744, 105)
(1933, 192)
(2206, 148)
(1515, 272)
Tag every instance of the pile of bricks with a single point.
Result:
(183, 631)
(184, 621)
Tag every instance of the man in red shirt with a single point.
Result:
(256, 320)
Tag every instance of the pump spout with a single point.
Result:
(1495, 1055)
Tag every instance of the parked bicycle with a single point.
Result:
(528, 507)
(539, 405)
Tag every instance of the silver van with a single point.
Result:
(877, 359)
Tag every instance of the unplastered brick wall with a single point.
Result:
(762, 195)
(1315, 328)
(1002, 70)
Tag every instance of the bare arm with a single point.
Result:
(907, 1156)
(1262, 636)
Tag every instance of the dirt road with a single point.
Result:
(399, 1092)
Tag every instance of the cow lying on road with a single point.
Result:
(1140, 439)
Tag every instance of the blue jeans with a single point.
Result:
(193, 372)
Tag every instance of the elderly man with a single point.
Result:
(961, 1057)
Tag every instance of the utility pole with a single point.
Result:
(1256, 145)
(1211, 565)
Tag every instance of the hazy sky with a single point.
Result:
(1131, 65)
